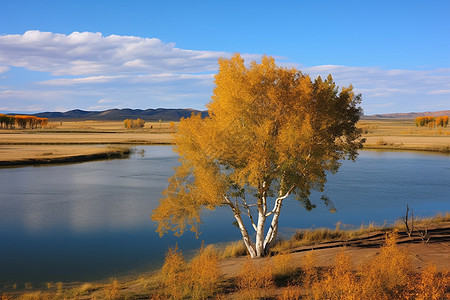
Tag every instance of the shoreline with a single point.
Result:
(440, 150)
(77, 158)
(124, 153)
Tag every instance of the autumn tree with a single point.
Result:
(271, 133)
(442, 121)
(130, 123)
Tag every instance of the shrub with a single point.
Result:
(253, 281)
(174, 274)
(309, 268)
(204, 273)
(283, 265)
(432, 286)
(339, 282)
(112, 290)
(386, 276)
(234, 249)
(291, 292)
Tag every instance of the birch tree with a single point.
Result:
(272, 136)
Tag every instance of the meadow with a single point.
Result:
(398, 134)
(85, 139)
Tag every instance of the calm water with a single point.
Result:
(91, 220)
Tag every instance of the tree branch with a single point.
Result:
(249, 213)
(281, 198)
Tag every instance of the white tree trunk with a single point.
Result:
(273, 230)
(260, 251)
(262, 243)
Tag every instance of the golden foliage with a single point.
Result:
(130, 123)
(270, 131)
(234, 249)
(309, 269)
(339, 282)
(204, 273)
(291, 292)
(174, 274)
(254, 280)
(386, 277)
(22, 122)
(429, 121)
(283, 264)
(431, 286)
(112, 290)
(197, 279)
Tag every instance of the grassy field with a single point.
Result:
(404, 135)
(86, 139)
(81, 140)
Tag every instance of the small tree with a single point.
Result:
(129, 123)
(271, 133)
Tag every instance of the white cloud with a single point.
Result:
(439, 92)
(105, 101)
(88, 53)
(398, 90)
(136, 72)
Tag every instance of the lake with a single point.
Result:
(91, 221)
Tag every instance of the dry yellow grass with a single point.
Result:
(73, 138)
(70, 139)
(20, 152)
(404, 135)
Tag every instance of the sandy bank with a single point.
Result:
(19, 155)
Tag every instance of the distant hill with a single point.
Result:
(171, 114)
(411, 115)
(164, 114)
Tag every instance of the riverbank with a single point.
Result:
(77, 141)
(289, 267)
(17, 155)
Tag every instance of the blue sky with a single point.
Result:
(95, 55)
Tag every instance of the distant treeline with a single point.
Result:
(429, 121)
(22, 122)
(129, 123)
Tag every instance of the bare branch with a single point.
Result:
(249, 213)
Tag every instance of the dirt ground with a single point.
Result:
(360, 250)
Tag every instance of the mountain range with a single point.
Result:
(170, 114)
(410, 115)
(164, 114)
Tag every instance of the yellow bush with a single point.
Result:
(431, 285)
(386, 276)
(253, 281)
(204, 273)
(309, 268)
(234, 249)
(283, 264)
(112, 290)
(291, 292)
(174, 274)
(339, 282)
